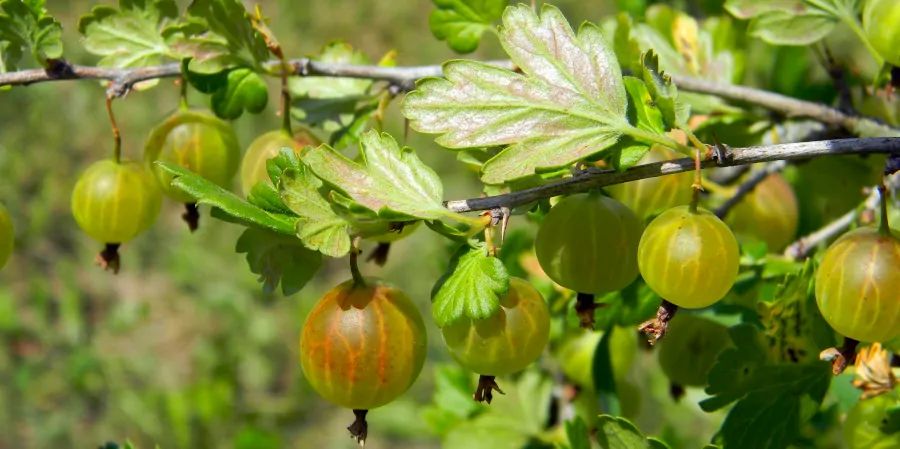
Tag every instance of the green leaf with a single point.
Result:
(388, 180)
(452, 401)
(790, 22)
(319, 226)
(663, 92)
(244, 90)
(277, 258)
(630, 306)
(773, 400)
(568, 103)
(26, 27)
(462, 22)
(471, 288)
(618, 433)
(131, 35)
(577, 434)
(626, 153)
(219, 34)
(230, 204)
(642, 110)
(332, 87)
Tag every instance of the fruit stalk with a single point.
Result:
(358, 280)
(117, 136)
(656, 328)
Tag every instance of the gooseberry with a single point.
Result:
(588, 243)
(857, 285)
(649, 196)
(881, 22)
(689, 257)
(862, 430)
(267, 146)
(690, 348)
(768, 213)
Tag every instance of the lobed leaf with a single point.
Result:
(791, 22)
(131, 35)
(462, 22)
(471, 288)
(319, 226)
(568, 103)
(390, 181)
(618, 433)
(278, 259)
(219, 34)
(26, 26)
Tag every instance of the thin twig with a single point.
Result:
(748, 186)
(593, 178)
(404, 78)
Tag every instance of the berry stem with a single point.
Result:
(840, 357)
(360, 428)
(117, 136)
(656, 328)
(697, 186)
(108, 258)
(191, 216)
(358, 280)
(182, 84)
(884, 227)
(487, 385)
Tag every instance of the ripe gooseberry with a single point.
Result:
(862, 430)
(362, 346)
(689, 257)
(881, 22)
(690, 349)
(506, 342)
(113, 202)
(857, 285)
(647, 197)
(267, 146)
(588, 243)
(768, 213)
(7, 235)
(198, 141)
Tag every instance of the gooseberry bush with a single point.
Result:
(618, 198)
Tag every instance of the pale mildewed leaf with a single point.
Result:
(569, 103)
(389, 180)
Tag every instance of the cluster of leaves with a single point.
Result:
(25, 27)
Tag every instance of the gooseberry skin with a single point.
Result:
(588, 243)
(7, 236)
(769, 213)
(198, 141)
(689, 258)
(690, 349)
(363, 346)
(114, 202)
(858, 285)
(506, 342)
(647, 197)
(881, 22)
(862, 427)
(267, 146)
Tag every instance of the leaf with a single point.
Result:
(627, 307)
(131, 35)
(452, 401)
(471, 288)
(577, 434)
(388, 180)
(462, 22)
(26, 27)
(332, 87)
(662, 91)
(244, 90)
(230, 204)
(618, 433)
(790, 22)
(568, 103)
(277, 258)
(642, 110)
(773, 400)
(219, 34)
(318, 226)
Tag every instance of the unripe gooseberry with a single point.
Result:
(115, 201)
(858, 285)
(690, 349)
(588, 243)
(650, 196)
(863, 427)
(7, 235)
(362, 346)
(768, 213)
(881, 22)
(507, 341)
(689, 258)
(267, 146)
(198, 141)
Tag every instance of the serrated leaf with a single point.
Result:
(319, 226)
(577, 434)
(662, 91)
(462, 22)
(26, 26)
(626, 153)
(388, 180)
(618, 433)
(788, 22)
(219, 35)
(131, 35)
(471, 287)
(642, 110)
(568, 103)
(228, 203)
(278, 259)
(244, 90)
(452, 399)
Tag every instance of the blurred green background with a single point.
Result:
(183, 349)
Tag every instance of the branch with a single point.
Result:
(748, 186)
(806, 244)
(594, 178)
(404, 78)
